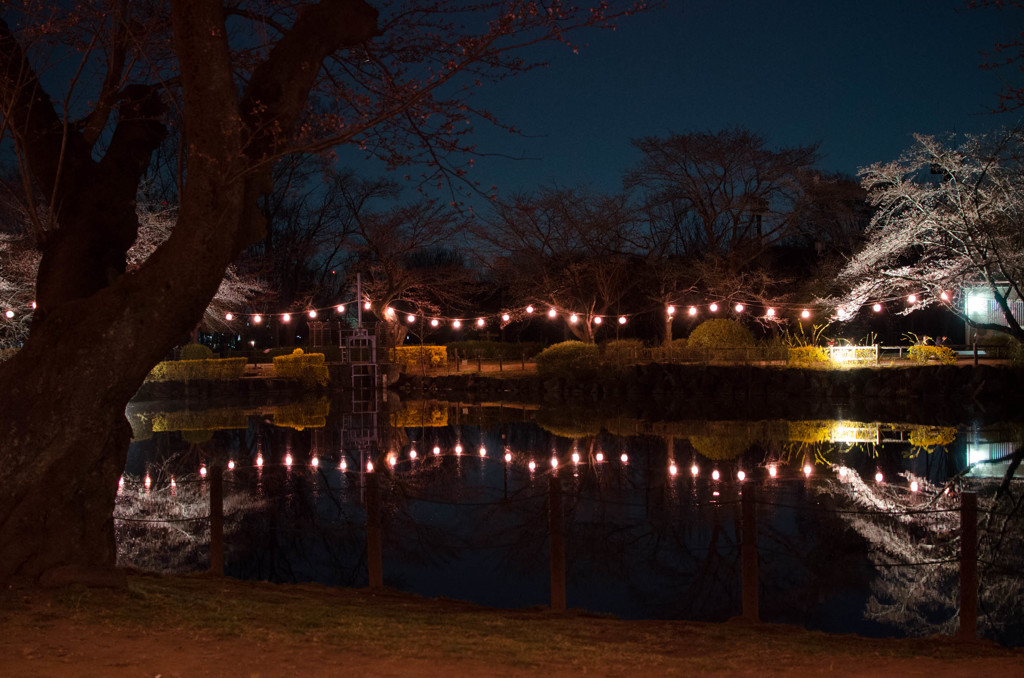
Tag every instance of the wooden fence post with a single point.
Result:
(217, 521)
(968, 565)
(556, 529)
(374, 546)
(748, 550)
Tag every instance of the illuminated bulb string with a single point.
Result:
(717, 308)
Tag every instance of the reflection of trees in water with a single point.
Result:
(914, 541)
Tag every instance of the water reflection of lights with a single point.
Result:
(483, 451)
(694, 470)
(879, 477)
(741, 476)
(436, 450)
(624, 458)
(672, 469)
(458, 449)
(202, 471)
(532, 465)
(715, 475)
(259, 460)
(343, 464)
(508, 456)
(808, 469)
(773, 470)
(288, 460)
(314, 462)
(369, 467)
(554, 462)
(914, 486)
(599, 457)
(231, 464)
(575, 457)
(412, 454)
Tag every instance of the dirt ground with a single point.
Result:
(203, 626)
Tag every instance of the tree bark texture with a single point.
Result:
(99, 329)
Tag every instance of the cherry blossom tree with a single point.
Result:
(949, 218)
(89, 90)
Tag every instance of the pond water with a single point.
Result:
(857, 522)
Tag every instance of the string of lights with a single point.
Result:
(392, 460)
(717, 308)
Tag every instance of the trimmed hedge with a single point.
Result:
(720, 333)
(623, 351)
(569, 359)
(924, 354)
(309, 368)
(213, 369)
(410, 357)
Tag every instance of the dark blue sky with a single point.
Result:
(858, 77)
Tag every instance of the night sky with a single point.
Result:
(857, 77)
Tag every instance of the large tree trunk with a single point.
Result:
(99, 330)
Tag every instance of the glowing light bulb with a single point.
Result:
(257, 319)
(410, 318)
(741, 476)
(369, 467)
(805, 314)
(287, 317)
(314, 462)
(435, 322)
(879, 477)
(599, 456)
(508, 456)
(575, 457)
(480, 322)
(692, 310)
(715, 475)
(202, 471)
(808, 469)
(231, 464)
(877, 308)
(944, 296)
(389, 312)
(624, 458)
(554, 462)
(505, 317)
(9, 313)
(344, 464)
(671, 310)
(229, 316)
(532, 466)
(914, 487)
(597, 320)
(412, 454)
(672, 469)
(694, 470)
(529, 309)
(713, 307)
(773, 471)
(770, 313)
(392, 460)
(259, 460)
(573, 318)
(622, 320)
(340, 308)
(288, 459)
(173, 484)
(552, 313)
(483, 451)
(912, 299)
(456, 324)
(33, 304)
(436, 451)
(739, 308)
(147, 482)
(458, 449)
(367, 305)
(843, 471)
(311, 314)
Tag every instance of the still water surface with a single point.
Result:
(857, 522)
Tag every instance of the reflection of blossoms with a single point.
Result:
(915, 547)
(167, 529)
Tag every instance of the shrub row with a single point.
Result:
(211, 369)
(494, 350)
(309, 368)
